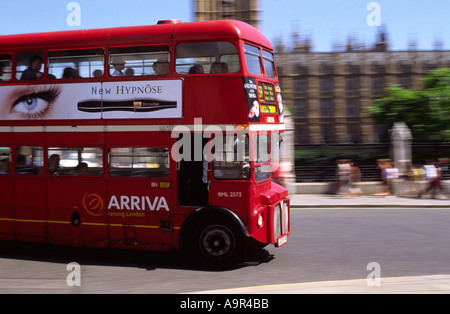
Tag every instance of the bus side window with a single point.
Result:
(232, 161)
(30, 65)
(5, 67)
(75, 161)
(139, 162)
(5, 160)
(75, 64)
(209, 57)
(29, 160)
(139, 61)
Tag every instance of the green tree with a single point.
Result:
(426, 112)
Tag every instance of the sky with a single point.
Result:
(328, 23)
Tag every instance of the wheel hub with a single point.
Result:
(217, 241)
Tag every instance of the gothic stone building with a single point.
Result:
(328, 93)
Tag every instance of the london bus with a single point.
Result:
(159, 137)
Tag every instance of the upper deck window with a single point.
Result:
(139, 61)
(269, 64)
(5, 67)
(253, 58)
(30, 65)
(209, 57)
(75, 64)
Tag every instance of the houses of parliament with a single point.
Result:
(327, 93)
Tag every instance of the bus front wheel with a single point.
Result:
(217, 243)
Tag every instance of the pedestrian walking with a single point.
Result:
(432, 176)
(388, 173)
(355, 178)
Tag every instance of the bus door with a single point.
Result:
(192, 171)
(76, 196)
(139, 197)
(29, 194)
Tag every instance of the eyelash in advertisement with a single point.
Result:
(36, 105)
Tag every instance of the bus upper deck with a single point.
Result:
(142, 72)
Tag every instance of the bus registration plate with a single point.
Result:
(282, 240)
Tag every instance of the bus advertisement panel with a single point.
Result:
(107, 100)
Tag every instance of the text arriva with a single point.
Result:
(138, 203)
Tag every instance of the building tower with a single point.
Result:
(244, 10)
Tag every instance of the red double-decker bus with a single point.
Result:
(158, 137)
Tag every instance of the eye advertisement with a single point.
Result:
(109, 100)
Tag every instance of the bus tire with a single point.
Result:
(217, 243)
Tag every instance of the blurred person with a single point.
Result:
(53, 164)
(196, 69)
(391, 176)
(119, 65)
(82, 168)
(5, 166)
(161, 68)
(381, 165)
(32, 72)
(442, 164)
(387, 173)
(432, 176)
(406, 186)
(219, 67)
(97, 73)
(70, 73)
(416, 177)
(355, 178)
(129, 72)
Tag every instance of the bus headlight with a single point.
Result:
(260, 221)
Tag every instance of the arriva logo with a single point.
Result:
(94, 204)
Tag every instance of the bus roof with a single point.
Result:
(149, 34)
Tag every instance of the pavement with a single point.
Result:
(435, 284)
(299, 201)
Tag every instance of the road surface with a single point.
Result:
(325, 245)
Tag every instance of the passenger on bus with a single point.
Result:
(70, 73)
(33, 73)
(1, 72)
(196, 69)
(53, 164)
(98, 73)
(129, 72)
(82, 168)
(21, 160)
(5, 166)
(118, 64)
(219, 67)
(161, 68)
